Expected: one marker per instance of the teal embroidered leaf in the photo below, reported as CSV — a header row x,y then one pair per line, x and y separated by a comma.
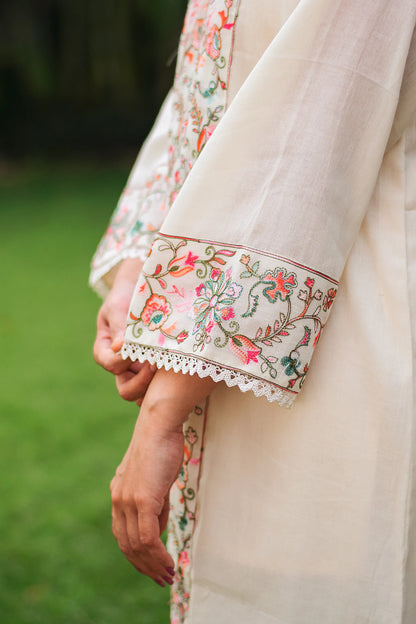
x,y
253,301
245,274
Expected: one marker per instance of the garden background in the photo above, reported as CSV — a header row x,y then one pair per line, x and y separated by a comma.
x,y
80,84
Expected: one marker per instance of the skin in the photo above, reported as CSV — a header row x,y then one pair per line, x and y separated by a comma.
x,y
132,378
141,485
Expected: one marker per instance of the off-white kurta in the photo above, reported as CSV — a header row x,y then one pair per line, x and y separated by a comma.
x,y
278,188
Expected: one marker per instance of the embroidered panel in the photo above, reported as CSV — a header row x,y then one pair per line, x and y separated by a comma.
x,y
183,498
237,309
197,104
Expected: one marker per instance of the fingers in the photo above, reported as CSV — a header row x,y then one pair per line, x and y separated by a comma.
x,y
132,386
139,540
103,350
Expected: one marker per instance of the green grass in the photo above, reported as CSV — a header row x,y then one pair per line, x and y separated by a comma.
x,y
63,428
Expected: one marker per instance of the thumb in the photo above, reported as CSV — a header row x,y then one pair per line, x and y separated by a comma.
x,y
118,341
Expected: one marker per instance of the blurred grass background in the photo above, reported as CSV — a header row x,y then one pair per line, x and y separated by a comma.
x,y
63,428
80,84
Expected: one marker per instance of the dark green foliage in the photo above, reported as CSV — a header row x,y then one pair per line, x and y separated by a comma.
x,y
81,74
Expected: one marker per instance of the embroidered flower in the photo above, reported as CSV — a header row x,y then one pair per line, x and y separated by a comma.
x,y
190,259
244,349
182,336
227,314
329,299
183,560
245,259
215,274
155,312
282,284
214,300
214,43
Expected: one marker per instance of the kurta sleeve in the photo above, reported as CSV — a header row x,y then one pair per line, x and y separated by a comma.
x,y
242,278
143,204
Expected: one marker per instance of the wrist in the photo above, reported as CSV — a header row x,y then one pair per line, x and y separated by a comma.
x,y
126,273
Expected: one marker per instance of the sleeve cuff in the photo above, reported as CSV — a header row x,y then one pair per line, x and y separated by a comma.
x,y
239,315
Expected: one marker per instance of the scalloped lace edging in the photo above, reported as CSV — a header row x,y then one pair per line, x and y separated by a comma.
x,y
181,362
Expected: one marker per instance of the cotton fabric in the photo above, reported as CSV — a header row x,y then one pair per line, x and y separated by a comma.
x,y
310,169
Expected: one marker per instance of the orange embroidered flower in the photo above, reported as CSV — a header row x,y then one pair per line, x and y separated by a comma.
x,y
155,312
214,43
244,349
281,283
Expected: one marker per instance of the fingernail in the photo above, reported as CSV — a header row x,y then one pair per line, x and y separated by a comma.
x,y
169,581
171,571
160,583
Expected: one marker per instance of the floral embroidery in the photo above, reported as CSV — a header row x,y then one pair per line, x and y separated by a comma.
x,y
155,312
182,514
197,103
201,82
251,310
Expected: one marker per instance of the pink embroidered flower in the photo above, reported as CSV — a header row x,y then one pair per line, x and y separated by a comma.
x,y
183,559
190,259
182,336
281,282
245,259
227,314
214,300
214,43
155,312
200,290
215,274
234,290
309,282
244,349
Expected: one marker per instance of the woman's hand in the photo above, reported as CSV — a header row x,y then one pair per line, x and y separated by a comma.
x,y
140,488
132,378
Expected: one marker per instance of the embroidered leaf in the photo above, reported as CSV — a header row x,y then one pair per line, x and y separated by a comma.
x,y
276,339
268,330
306,337
282,318
245,274
267,343
133,318
276,326
253,301
264,367
158,269
316,324
255,266
162,282
273,372
290,326
283,333
259,332
272,359
316,313
225,252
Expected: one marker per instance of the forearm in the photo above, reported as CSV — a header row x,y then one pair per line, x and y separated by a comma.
x,y
170,398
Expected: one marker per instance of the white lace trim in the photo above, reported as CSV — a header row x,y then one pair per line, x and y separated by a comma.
x,y
96,279
181,362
